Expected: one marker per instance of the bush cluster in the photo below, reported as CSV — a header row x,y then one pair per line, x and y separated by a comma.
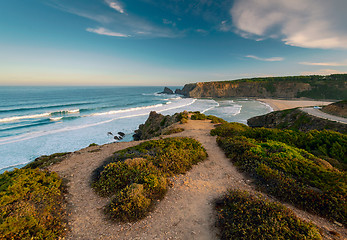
x,y
201,116
31,205
45,161
172,131
325,144
137,176
243,216
291,174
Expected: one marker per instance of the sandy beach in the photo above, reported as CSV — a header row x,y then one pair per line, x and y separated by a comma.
x,y
278,105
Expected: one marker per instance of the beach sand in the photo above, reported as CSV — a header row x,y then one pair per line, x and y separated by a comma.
x,y
278,105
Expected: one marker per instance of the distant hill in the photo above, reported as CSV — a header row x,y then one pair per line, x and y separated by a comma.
x,y
313,87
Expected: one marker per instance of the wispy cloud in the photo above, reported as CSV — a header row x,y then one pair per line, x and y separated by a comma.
x,y
327,64
104,31
115,5
272,59
302,23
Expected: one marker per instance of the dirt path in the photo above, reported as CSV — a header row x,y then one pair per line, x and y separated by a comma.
x,y
186,212
320,114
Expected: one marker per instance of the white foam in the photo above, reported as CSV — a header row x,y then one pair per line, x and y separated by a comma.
x,y
56,119
126,110
208,109
135,112
12,119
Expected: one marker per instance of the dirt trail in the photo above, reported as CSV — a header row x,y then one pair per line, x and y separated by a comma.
x,y
186,212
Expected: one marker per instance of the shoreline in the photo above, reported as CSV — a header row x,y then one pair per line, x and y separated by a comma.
x,y
278,104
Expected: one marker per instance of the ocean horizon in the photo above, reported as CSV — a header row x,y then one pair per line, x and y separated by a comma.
x,y
36,121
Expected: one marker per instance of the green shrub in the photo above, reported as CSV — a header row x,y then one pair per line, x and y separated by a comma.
x,y
291,174
325,144
243,216
198,116
170,155
215,119
116,176
46,161
172,131
93,145
129,204
137,176
31,205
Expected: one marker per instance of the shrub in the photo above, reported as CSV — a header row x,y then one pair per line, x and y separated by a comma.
x,y
172,131
243,216
129,204
215,119
46,161
291,174
31,205
93,145
325,144
198,116
136,177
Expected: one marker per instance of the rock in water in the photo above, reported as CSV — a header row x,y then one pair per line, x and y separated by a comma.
x,y
121,134
167,91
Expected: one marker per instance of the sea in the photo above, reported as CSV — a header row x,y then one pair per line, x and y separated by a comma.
x,y
37,121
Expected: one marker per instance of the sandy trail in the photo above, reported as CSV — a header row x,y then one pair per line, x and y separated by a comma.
x,y
186,212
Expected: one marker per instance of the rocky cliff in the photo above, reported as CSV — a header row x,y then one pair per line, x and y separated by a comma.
x,y
319,87
295,119
155,125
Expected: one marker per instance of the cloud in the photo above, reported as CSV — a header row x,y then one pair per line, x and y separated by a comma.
x,y
168,22
327,64
115,5
323,72
103,31
273,59
302,23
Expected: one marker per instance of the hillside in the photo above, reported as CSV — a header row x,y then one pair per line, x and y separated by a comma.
x,y
338,109
314,87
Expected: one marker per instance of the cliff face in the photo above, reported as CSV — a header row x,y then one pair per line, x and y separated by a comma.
x,y
315,87
245,89
154,126
295,119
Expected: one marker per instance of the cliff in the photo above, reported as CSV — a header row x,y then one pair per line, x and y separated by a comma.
x,y
295,119
315,87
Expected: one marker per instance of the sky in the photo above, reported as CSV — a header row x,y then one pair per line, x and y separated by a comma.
x,y
168,42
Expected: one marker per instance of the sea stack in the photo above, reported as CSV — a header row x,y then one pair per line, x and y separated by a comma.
x,y
167,91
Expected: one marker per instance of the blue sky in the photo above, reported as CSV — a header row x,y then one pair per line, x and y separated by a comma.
x,y
169,42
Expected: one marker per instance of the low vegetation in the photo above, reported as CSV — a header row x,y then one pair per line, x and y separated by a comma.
x,y
243,216
172,131
136,177
201,116
31,205
286,171
46,161
329,145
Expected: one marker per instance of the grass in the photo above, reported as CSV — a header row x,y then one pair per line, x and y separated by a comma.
x,y
137,177
243,216
31,205
201,116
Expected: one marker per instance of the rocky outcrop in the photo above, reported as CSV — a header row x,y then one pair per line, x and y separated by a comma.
x,y
295,119
315,87
167,91
154,125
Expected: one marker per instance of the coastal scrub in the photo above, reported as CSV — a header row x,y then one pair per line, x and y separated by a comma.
x,y
137,176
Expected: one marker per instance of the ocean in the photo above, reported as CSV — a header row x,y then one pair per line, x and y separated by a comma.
x,y
37,121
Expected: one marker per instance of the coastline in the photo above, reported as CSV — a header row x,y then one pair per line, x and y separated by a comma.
x,y
278,105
